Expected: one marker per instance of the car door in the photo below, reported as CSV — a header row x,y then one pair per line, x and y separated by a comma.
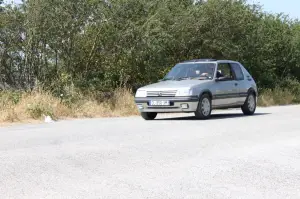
x,y
225,89
241,81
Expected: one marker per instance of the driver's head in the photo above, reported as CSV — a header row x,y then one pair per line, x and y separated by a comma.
x,y
219,73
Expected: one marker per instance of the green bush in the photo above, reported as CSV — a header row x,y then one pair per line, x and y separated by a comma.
x,y
36,111
11,97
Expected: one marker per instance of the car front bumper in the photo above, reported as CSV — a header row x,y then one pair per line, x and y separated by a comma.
x,y
177,104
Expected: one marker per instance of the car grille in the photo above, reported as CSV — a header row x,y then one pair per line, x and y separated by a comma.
x,y
161,93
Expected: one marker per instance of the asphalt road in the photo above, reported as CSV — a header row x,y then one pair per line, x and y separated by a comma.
x,y
229,156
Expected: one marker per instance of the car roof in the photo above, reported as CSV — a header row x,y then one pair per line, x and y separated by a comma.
x,y
208,60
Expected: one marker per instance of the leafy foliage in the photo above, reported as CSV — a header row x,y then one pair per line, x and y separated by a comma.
x,y
99,45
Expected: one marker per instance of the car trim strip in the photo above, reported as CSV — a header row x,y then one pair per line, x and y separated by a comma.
x,y
172,99
231,95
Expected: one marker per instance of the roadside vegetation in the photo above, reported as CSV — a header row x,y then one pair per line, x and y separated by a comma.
x,y
21,106
85,58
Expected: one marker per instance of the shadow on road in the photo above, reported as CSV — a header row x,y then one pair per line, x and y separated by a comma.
x,y
217,116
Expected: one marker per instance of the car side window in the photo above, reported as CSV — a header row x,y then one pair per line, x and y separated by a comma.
x,y
237,71
224,71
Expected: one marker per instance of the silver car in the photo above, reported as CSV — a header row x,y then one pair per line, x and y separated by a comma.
x,y
199,86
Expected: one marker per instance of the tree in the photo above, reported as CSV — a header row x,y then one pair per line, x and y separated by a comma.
x,y
99,45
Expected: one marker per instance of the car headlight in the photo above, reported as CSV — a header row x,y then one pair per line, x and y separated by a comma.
x,y
184,92
141,93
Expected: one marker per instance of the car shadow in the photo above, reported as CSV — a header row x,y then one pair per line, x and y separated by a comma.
x,y
217,116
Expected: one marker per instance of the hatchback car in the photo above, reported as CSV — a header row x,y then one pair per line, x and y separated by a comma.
x,y
199,86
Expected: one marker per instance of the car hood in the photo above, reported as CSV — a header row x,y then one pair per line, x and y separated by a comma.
x,y
166,85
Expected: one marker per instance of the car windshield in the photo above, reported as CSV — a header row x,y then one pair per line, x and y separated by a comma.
x,y
184,71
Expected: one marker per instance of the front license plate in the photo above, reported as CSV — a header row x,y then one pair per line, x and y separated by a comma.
x,y
160,103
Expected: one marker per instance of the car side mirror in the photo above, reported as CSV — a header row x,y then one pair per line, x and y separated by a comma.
x,y
220,79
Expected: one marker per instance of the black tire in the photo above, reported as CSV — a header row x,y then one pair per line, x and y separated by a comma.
x,y
148,116
201,112
249,106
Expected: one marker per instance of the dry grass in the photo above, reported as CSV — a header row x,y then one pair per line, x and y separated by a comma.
x,y
20,107
277,96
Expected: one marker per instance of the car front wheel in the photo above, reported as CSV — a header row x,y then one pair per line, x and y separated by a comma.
x,y
249,106
204,107
148,116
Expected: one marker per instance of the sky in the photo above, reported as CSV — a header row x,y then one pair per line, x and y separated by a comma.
x,y
290,7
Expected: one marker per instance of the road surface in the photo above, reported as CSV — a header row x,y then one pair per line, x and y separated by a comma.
x,y
229,156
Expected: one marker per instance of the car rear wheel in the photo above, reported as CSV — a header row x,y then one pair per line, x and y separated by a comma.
x,y
249,106
204,107
148,116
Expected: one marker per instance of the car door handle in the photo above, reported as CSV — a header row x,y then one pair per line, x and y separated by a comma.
x,y
236,84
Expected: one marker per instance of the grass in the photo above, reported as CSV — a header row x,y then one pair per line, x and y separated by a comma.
x,y
33,106
278,96
24,107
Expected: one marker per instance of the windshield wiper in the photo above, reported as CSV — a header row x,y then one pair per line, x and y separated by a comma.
x,y
183,78
202,78
166,79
